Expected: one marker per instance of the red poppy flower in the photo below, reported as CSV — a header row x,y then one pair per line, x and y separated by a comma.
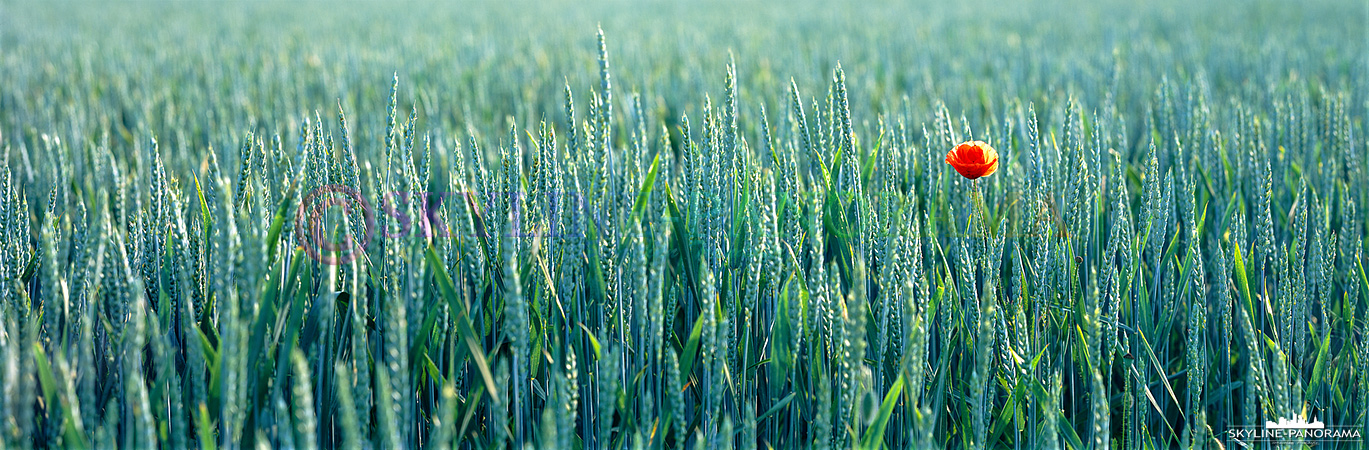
x,y
973,159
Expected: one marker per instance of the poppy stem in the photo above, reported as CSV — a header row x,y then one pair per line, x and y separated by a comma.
x,y
979,209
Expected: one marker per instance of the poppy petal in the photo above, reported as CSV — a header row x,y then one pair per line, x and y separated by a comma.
x,y
973,159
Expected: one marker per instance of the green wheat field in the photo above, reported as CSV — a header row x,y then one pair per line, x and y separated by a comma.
x,y
683,225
